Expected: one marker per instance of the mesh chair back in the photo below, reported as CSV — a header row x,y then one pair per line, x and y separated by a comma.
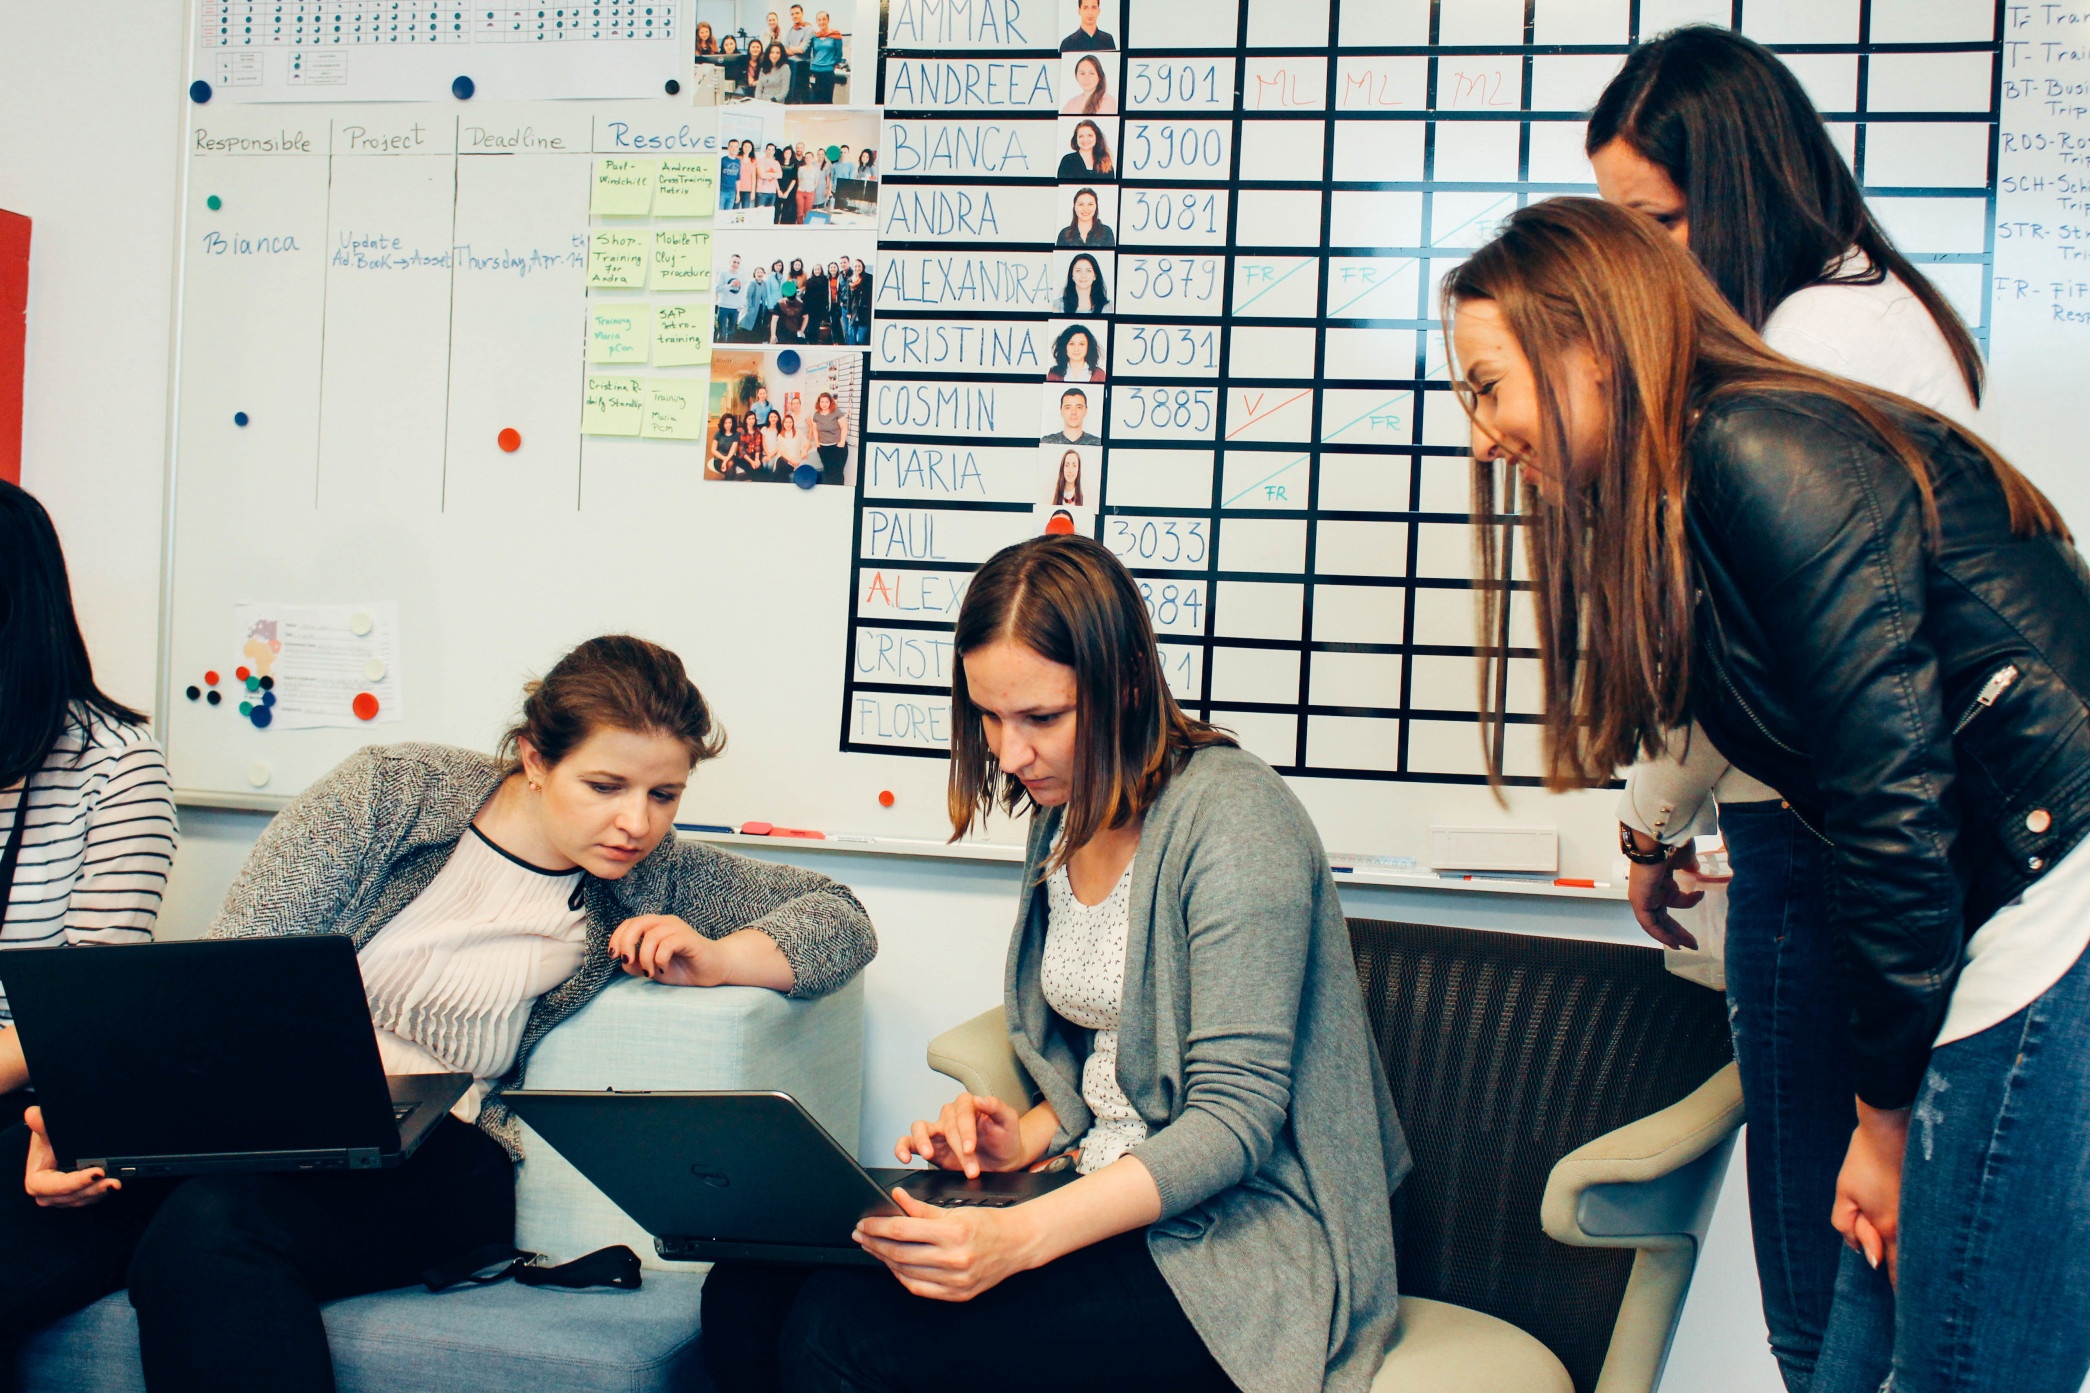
x,y
1505,1052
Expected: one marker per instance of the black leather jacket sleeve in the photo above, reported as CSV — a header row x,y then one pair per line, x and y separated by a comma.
x,y
1818,532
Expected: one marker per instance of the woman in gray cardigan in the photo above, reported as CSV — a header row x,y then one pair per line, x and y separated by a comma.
x,y
488,900
1180,988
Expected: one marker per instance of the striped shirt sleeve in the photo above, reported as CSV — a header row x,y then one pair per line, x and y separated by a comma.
x,y
130,840
98,840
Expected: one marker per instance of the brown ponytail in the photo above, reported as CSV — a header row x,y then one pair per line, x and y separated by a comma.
x,y
615,682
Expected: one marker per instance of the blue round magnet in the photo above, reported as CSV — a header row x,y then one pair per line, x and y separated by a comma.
x,y
268,698
805,476
239,418
199,91
788,362
462,89
261,717
673,87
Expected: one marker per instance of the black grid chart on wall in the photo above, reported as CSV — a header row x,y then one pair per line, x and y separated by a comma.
x,y
1178,292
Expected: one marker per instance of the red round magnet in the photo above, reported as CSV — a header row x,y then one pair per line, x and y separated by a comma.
x,y
210,678
365,706
510,439
885,799
242,673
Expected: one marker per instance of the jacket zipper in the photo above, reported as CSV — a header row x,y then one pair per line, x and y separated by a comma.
x,y
1998,683
1732,691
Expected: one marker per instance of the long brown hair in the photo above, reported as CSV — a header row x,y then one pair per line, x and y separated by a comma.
x,y
1771,202
1102,150
1609,557
1068,600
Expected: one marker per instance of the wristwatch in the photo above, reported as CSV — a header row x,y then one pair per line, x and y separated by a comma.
x,y
1631,850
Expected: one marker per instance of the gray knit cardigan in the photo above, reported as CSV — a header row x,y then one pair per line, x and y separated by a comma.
x,y
356,847
1244,1046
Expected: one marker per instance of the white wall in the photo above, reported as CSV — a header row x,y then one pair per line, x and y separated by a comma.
x,y
90,101
91,155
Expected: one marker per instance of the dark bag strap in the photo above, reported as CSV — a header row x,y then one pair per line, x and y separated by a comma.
x,y
12,857
616,1266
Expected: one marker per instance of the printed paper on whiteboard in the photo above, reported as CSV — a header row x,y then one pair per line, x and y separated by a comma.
x,y
321,664
265,51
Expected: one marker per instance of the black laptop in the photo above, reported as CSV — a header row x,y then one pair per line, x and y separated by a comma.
x,y
714,1176
202,1058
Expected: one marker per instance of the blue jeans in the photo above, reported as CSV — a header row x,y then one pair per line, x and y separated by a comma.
x,y
1791,1041
1995,1220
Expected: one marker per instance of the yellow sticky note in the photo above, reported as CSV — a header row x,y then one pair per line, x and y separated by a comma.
x,y
686,189
613,406
675,408
619,333
681,334
617,258
681,259
623,188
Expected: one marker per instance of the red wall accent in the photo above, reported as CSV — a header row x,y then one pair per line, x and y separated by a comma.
x,y
14,323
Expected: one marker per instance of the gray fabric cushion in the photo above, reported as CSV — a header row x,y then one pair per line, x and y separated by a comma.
x,y
507,1337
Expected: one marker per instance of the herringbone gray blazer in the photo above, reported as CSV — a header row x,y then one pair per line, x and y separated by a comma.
x,y
354,849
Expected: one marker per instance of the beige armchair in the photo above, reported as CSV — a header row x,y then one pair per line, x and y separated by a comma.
x,y
1648,1186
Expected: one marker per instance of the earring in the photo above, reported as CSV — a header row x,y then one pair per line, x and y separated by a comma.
x,y
536,787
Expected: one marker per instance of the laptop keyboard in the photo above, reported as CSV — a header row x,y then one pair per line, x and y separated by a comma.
x,y
974,1201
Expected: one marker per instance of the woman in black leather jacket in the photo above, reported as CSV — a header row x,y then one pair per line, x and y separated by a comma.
x,y
1869,610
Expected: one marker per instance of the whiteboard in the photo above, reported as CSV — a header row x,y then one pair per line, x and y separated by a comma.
x,y
1278,458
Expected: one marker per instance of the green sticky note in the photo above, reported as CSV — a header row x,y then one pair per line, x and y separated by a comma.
x,y
674,408
681,259
613,406
681,334
623,188
686,189
619,333
617,258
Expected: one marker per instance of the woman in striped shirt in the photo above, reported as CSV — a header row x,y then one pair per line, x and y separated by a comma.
x,y
86,821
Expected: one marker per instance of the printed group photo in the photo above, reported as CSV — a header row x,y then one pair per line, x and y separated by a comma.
x,y
786,417
805,167
805,287
800,55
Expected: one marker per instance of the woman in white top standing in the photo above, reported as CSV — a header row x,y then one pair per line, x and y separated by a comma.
x,y
488,898
86,819
1713,137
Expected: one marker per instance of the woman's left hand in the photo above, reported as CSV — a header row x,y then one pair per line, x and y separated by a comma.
x,y
1868,1188
948,1254
663,948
